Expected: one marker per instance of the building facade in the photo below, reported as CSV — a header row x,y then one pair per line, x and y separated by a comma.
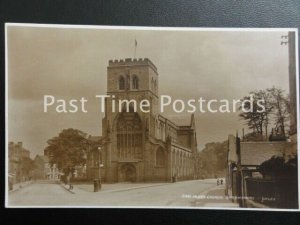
x,y
139,146
19,163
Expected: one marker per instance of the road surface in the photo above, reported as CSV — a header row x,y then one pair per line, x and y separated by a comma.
x,y
195,193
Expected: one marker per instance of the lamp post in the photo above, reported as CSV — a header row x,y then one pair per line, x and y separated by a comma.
x,y
97,172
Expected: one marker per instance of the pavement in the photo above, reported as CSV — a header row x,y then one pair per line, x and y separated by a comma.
x,y
18,186
115,187
68,188
194,193
214,198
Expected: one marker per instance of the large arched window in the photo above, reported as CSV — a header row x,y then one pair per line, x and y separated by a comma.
x,y
160,157
129,136
131,107
135,82
121,83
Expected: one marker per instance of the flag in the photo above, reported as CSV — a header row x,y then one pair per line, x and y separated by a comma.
x,y
135,45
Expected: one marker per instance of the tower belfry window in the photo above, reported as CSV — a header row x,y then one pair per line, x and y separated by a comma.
x,y
152,84
135,82
121,83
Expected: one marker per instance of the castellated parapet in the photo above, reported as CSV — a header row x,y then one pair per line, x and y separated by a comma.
x,y
132,62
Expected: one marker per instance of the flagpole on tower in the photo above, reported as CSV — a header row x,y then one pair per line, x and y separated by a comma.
x,y
135,45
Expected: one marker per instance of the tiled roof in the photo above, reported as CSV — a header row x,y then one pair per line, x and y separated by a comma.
x,y
254,153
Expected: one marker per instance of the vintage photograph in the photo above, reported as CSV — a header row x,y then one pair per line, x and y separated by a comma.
x,y
151,117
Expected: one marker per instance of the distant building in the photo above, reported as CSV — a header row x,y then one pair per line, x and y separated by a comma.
x,y
137,146
18,163
44,170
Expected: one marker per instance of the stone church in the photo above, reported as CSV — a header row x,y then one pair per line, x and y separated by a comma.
x,y
138,146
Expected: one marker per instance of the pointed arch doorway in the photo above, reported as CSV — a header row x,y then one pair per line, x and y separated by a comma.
x,y
127,173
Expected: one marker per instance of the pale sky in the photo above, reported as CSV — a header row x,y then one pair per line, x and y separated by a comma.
x,y
71,63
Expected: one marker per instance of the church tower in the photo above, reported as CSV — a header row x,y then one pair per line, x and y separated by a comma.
x,y
125,133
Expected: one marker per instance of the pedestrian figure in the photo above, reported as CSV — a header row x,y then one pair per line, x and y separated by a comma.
x,y
221,181
218,182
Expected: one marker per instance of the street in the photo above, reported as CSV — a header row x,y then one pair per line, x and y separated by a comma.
x,y
194,193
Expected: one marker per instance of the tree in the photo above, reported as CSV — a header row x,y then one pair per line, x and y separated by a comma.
x,y
281,108
276,166
256,119
212,160
266,97
276,110
68,149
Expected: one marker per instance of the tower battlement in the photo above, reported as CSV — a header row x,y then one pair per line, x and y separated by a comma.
x,y
132,62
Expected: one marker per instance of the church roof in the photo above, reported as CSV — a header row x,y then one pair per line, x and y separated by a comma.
x,y
181,121
94,138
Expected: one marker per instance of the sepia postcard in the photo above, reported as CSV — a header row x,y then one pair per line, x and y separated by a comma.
x,y
151,117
